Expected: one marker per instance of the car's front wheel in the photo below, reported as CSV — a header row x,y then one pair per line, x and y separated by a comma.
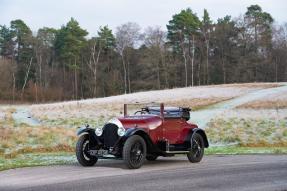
x,y
134,152
197,149
82,148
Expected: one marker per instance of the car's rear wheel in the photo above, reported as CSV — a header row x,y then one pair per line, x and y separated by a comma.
x,y
151,157
82,148
134,152
197,149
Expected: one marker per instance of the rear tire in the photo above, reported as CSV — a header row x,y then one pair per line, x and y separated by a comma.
x,y
134,152
84,158
197,151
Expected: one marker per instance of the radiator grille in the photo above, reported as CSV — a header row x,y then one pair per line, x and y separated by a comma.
x,y
110,135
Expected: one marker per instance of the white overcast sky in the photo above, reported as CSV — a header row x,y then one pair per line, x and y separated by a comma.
x,y
94,13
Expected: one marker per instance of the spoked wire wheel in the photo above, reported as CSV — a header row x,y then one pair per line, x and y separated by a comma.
x,y
82,152
134,152
197,149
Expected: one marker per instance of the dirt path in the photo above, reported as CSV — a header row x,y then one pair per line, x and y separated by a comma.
x,y
21,115
202,117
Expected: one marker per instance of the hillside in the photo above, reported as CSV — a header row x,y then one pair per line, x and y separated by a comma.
x,y
194,97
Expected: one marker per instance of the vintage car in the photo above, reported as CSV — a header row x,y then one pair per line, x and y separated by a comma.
x,y
152,131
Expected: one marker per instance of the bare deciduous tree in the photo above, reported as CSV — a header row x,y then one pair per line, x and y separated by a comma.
x,y
127,36
155,41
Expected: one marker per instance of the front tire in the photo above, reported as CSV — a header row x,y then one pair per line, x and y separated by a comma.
x,y
196,152
82,147
134,152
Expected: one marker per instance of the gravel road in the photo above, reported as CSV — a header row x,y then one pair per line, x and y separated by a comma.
x,y
239,172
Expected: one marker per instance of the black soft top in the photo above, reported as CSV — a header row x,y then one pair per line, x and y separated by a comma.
x,y
170,112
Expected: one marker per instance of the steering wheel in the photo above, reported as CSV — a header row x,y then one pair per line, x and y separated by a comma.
x,y
141,112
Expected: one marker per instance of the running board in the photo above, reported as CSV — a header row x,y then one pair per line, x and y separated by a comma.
x,y
176,152
109,157
169,151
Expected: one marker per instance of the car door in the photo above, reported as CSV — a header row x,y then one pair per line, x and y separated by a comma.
x,y
171,129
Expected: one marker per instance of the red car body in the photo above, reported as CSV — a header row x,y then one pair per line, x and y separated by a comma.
x,y
160,128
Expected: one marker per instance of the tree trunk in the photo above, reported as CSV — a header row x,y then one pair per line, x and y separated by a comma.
x,y
198,72
76,80
125,73
36,92
129,80
276,70
185,67
158,75
192,62
223,70
159,61
64,74
40,70
47,76
166,75
207,64
224,75
185,62
165,70
14,87
256,35
95,68
26,77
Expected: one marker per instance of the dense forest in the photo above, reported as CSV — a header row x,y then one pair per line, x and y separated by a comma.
x,y
63,64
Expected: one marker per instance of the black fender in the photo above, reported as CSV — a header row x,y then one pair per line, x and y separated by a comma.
x,y
141,132
201,132
93,139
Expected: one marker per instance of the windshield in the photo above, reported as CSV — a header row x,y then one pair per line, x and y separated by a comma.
x,y
140,108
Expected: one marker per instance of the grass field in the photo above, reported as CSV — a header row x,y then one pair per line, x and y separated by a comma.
x,y
21,138
248,132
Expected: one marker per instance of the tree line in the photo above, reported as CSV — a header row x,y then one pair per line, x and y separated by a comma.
x,y
63,64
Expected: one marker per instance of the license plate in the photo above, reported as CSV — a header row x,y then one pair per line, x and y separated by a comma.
x,y
100,152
